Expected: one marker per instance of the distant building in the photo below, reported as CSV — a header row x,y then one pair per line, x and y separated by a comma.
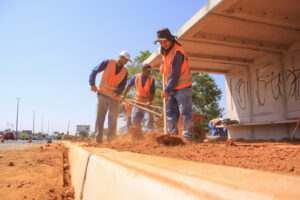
x,y
27,131
82,130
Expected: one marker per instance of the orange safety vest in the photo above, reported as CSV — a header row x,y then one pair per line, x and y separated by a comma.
x,y
214,121
110,80
143,93
185,79
128,109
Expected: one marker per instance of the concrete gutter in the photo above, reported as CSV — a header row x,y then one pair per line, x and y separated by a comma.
x,y
99,173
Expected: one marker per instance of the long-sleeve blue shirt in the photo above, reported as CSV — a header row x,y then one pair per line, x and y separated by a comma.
x,y
144,79
102,66
123,108
176,69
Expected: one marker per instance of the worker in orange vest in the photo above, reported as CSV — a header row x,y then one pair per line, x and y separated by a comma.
x,y
113,82
127,108
178,84
144,92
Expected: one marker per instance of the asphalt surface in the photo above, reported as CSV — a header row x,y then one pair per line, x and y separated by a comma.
x,y
20,144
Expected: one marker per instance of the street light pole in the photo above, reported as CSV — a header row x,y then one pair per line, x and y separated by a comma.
x,y
68,128
18,99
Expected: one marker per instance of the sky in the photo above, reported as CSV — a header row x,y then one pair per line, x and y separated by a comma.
x,y
48,49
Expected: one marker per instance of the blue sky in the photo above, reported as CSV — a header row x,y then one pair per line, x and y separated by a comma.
x,y
48,49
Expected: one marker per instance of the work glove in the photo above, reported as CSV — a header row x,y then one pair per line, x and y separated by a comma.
x,y
122,98
115,97
165,95
94,88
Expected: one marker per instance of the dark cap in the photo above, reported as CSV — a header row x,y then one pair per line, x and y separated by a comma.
x,y
147,66
164,34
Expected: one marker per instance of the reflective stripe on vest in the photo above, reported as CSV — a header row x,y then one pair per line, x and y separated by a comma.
x,y
185,78
214,121
109,76
142,93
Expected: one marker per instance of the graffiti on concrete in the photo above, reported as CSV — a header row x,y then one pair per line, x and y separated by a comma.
x,y
241,89
265,80
267,85
294,87
293,81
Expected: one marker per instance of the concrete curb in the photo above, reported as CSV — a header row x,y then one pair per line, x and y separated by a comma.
x,y
108,174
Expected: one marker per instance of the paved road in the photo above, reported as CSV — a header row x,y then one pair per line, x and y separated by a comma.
x,y
19,144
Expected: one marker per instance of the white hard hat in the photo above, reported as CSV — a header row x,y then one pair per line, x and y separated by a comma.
x,y
126,55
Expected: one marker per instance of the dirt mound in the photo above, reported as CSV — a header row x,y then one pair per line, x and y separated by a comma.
x,y
267,156
40,172
170,140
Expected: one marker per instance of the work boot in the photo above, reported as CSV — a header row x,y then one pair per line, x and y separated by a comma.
x,y
98,140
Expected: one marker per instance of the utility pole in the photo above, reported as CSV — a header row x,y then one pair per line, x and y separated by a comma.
x,y
68,128
48,128
42,125
18,99
33,121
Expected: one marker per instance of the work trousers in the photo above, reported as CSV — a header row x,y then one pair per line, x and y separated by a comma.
x,y
180,103
128,124
137,116
106,104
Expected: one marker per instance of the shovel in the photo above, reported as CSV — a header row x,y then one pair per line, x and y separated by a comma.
x,y
128,101
169,140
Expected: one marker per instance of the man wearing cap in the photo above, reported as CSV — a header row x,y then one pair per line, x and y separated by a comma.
x,y
144,92
178,84
112,83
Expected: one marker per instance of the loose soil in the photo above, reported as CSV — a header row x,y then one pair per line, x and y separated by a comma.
x,y
40,172
279,157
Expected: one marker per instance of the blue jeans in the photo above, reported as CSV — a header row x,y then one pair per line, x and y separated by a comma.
x,y
105,103
136,118
180,103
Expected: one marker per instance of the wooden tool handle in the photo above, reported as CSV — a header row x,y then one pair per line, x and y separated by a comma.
x,y
165,107
152,106
145,109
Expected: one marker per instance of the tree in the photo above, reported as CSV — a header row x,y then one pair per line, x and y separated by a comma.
x,y
206,96
205,91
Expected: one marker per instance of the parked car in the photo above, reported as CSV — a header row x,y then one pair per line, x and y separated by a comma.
x,y
8,136
39,138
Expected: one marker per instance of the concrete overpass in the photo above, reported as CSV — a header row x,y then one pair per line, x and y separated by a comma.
x,y
256,45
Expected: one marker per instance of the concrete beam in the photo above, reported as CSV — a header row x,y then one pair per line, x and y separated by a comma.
x,y
197,17
219,44
217,58
208,70
262,16
241,42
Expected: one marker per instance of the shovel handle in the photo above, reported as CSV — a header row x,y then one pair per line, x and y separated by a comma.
x,y
106,94
145,109
165,107
141,107
152,106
